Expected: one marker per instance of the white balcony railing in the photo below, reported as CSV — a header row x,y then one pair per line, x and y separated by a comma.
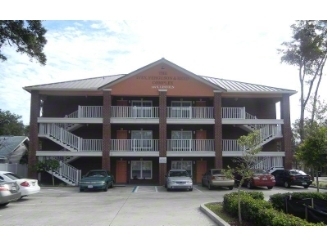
x,y
231,145
190,112
92,144
190,144
134,145
134,112
90,112
233,113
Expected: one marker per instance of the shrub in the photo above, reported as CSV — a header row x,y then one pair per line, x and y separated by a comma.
x,y
278,200
260,212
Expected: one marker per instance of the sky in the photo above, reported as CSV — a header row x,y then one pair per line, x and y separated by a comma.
x,y
235,40
236,49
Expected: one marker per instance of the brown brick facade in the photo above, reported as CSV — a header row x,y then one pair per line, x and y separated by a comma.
x,y
287,132
218,129
162,135
34,142
106,135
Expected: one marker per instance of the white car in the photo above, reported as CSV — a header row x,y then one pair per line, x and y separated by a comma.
x,y
177,179
27,186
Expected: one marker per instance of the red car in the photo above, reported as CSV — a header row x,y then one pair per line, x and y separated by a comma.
x,y
260,178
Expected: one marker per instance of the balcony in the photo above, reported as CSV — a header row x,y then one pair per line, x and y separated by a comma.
x,y
190,147
134,147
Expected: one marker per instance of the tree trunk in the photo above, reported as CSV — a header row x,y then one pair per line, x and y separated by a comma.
x,y
239,206
317,181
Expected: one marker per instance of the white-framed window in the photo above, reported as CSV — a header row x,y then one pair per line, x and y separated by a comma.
x,y
141,170
142,140
187,165
181,140
181,109
142,109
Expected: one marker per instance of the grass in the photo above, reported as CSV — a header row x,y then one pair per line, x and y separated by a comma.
x,y
217,208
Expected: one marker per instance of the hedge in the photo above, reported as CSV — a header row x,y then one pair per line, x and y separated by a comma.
x,y
260,212
278,200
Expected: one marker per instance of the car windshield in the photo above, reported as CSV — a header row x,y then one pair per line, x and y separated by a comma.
x,y
95,174
216,171
13,176
297,172
179,174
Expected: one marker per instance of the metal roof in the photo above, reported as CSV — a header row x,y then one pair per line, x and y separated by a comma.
x,y
99,82
8,144
237,86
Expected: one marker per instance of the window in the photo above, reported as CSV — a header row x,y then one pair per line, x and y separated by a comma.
x,y
181,109
142,109
181,140
186,165
142,140
141,170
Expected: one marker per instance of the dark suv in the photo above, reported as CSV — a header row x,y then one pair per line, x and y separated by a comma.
x,y
289,177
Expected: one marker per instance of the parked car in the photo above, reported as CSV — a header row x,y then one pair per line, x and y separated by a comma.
x,y
9,192
98,179
259,178
290,177
272,169
27,186
178,179
215,178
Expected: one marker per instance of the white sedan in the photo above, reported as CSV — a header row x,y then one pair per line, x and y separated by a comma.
x,y
27,186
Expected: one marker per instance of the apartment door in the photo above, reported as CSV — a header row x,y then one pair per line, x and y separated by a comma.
x,y
200,109
123,110
201,168
200,140
121,172
122,140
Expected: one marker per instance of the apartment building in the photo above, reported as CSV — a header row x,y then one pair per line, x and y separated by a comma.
x,y
161,116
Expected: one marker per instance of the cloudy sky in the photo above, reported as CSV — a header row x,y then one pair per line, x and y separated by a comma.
x,y
230,48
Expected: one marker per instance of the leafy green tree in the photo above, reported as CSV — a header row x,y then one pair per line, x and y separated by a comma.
x,y
28,36
308,52
245,165
10,124
313,150
48,165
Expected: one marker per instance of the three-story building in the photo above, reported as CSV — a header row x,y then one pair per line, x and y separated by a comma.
x,y
161,116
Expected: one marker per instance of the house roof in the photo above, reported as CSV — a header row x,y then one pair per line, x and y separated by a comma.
x,y
9,144
98,83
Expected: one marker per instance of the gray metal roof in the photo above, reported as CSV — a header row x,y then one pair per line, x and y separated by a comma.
x,y
8,144
237,86
80,84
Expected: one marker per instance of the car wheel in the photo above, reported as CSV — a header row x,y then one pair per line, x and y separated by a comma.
x,y
191,189
306,186
81,189
168,189
111,185
270,187
4,204
203,184
165,186
209,186
106,188
249,185
286,184
230,187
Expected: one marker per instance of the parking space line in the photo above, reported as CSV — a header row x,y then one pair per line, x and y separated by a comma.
x,y
197,189
156,189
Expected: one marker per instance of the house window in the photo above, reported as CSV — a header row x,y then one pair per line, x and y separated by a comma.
x,y
181,140
187,165
141,170
180,109
142,140
142,109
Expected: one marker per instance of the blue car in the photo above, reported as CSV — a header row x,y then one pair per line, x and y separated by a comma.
x,y
99,179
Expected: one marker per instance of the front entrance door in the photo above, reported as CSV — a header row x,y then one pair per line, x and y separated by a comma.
x,y
200,140
201,168
122,139
121,172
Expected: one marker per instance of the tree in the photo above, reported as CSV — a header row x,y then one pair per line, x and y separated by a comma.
x,y
10,124
245,164
48,165
308,52
313,150
27,36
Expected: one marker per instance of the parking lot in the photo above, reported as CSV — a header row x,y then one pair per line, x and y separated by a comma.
x,y
120,206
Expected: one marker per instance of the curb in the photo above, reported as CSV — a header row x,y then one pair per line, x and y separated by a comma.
x,y
218,220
